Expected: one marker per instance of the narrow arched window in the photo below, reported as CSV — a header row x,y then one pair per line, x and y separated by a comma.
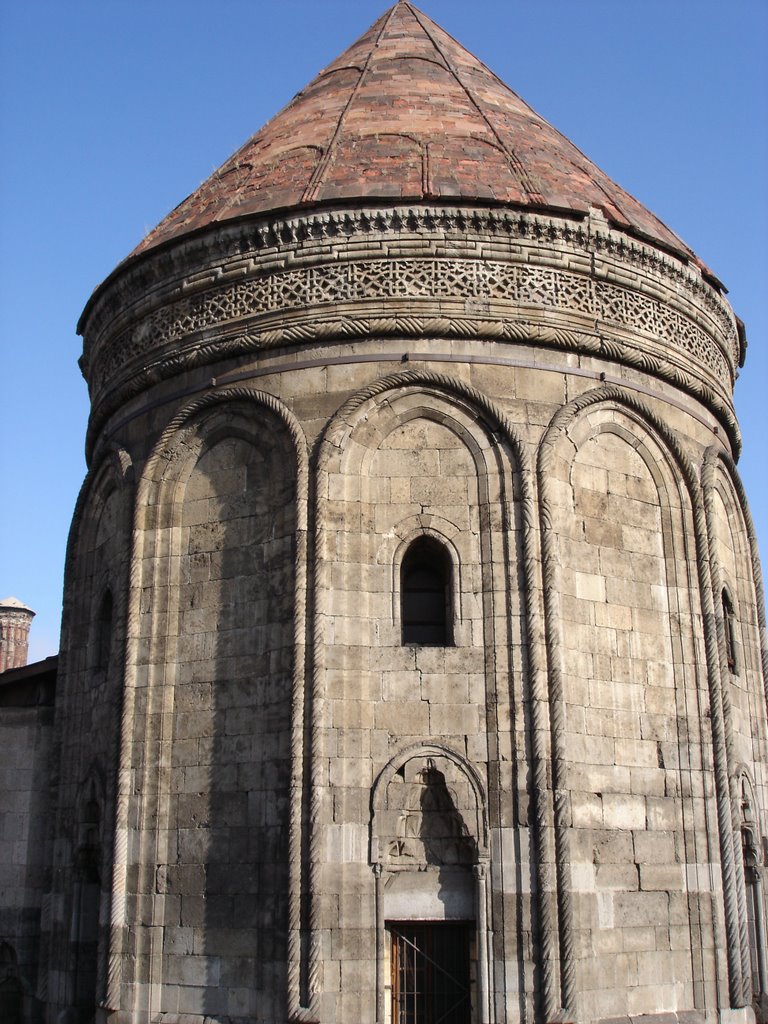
x,y
729,629
425,594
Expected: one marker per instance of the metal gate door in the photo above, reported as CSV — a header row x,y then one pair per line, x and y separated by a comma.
x,y
430,974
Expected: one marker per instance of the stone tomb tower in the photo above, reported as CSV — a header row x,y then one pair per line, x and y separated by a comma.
x,y
413,658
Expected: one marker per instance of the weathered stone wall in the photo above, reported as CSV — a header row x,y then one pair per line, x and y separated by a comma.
x,y
26,726
411,462
213,680
633,740
566,774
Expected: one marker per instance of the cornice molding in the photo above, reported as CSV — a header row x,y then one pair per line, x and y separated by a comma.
x,y
200,259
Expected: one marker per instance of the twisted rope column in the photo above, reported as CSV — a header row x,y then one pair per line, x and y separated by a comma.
x,y
708,472
297,722
313,723
553,647
720,750
555,930
121,468
113,471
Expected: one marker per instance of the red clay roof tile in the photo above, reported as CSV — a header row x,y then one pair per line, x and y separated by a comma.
x,y
407,113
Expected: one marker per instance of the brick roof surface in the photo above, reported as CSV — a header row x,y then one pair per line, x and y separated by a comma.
x,y
406,113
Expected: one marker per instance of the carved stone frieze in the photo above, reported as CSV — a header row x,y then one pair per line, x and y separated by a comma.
x,y
510,290
232,248
485,274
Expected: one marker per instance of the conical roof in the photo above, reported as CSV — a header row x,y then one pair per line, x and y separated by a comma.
x,y
16,604
407,114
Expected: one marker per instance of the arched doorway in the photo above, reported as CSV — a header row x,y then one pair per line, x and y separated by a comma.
x,y
429,844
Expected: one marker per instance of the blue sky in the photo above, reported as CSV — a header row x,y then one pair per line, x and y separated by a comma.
x,y
111,113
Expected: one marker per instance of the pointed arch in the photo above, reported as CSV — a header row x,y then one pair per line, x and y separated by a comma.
x,y
739,616
729,629
109,482
683,472
493,435
718,461
429,849
96,560
232,416
433,535
478,804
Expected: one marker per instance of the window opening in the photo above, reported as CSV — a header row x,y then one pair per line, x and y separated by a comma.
x,y
425,578
730,632
431,973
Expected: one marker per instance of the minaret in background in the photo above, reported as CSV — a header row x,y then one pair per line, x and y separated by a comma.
x,y
15,620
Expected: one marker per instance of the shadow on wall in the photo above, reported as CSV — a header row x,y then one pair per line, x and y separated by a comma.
x,y
11,989
431,849
226,950
442,831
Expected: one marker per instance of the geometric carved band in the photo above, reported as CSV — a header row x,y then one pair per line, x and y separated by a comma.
x,y
506,290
